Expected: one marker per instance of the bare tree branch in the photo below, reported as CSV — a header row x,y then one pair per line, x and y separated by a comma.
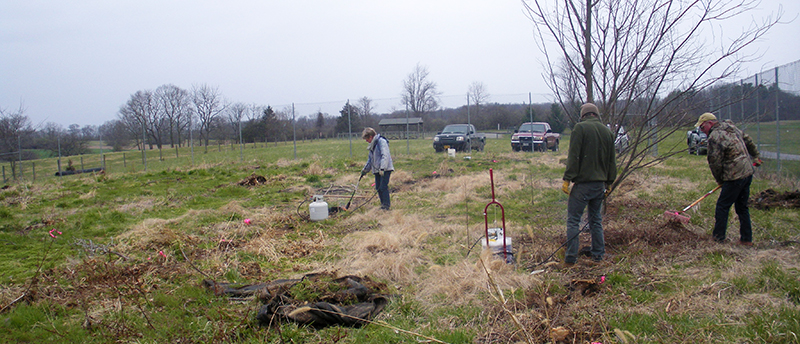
x,y
643,62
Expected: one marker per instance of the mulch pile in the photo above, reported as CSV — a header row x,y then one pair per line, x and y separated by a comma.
x,y
319,300
770,198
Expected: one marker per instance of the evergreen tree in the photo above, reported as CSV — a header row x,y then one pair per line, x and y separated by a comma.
x,y
355,119
556,118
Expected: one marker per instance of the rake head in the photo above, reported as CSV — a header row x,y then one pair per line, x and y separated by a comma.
x,y
676,216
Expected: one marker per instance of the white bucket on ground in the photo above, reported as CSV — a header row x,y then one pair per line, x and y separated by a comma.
x,y
495,243
318,210
451,152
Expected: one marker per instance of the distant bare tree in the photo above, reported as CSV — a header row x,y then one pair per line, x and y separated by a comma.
x,y
365,107
208,106
14,128
236,114
59,141
89,132
137,113
174,107
419,93
628,55
478,95
113,133
254,112
281,124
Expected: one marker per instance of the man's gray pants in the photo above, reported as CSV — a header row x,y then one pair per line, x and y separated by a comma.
x,y
589,194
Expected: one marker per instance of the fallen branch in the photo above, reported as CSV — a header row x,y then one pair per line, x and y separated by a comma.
x,y
90,246
194,267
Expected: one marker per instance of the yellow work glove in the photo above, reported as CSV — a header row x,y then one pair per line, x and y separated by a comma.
x,y
565,187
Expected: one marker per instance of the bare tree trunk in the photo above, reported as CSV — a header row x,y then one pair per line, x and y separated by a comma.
x,y
587,57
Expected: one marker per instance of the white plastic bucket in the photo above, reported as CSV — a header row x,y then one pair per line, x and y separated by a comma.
x,y
495,243
451,152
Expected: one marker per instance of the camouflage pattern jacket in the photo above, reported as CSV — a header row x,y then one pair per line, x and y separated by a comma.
x,y
730,152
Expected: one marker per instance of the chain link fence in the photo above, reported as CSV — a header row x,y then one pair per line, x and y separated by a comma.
x,y
41,170
766,106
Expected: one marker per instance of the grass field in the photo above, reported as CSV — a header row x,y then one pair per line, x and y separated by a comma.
x,y
121,256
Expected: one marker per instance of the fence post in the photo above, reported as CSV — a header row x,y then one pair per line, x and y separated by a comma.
x,y
82,168
777,120
59,166
124,163
4,174
758,114
33,170
104,162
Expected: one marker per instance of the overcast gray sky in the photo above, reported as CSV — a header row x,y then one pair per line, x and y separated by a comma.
x,y
79,61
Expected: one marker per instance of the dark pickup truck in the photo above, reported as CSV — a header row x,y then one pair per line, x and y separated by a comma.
x,y
534,136
460,137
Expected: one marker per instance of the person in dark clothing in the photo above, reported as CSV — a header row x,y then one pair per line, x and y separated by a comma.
x,y
591,166
379,162
731,157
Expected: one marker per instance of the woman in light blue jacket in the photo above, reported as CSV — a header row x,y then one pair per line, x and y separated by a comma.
x,y
379,162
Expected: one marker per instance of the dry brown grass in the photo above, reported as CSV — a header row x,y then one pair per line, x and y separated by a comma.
x,y
139,206
397,250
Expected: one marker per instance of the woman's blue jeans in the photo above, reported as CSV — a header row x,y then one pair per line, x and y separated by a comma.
x,y
382,185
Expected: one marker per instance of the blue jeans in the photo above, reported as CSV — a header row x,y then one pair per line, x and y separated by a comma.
x,y
584,194
736,193
382,185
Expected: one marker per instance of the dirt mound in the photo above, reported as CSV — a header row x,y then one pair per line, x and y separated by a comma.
x,y
253,180
770,198
655,234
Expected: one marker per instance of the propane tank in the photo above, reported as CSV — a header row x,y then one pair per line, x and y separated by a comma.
x,y
318,210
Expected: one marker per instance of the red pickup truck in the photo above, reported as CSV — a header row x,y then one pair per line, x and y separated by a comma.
x,y
534,136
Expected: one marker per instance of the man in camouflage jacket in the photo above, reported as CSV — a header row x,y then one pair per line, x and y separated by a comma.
x,y
731,157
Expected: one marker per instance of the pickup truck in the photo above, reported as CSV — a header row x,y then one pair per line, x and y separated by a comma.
x,y
534,136
460,137
696,140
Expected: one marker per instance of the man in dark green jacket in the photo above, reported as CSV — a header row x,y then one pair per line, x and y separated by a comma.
x,y
591,166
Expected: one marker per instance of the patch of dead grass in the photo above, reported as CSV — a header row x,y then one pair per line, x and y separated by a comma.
x,y
139,206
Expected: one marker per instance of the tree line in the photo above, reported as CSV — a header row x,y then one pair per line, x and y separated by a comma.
x,y
171,116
